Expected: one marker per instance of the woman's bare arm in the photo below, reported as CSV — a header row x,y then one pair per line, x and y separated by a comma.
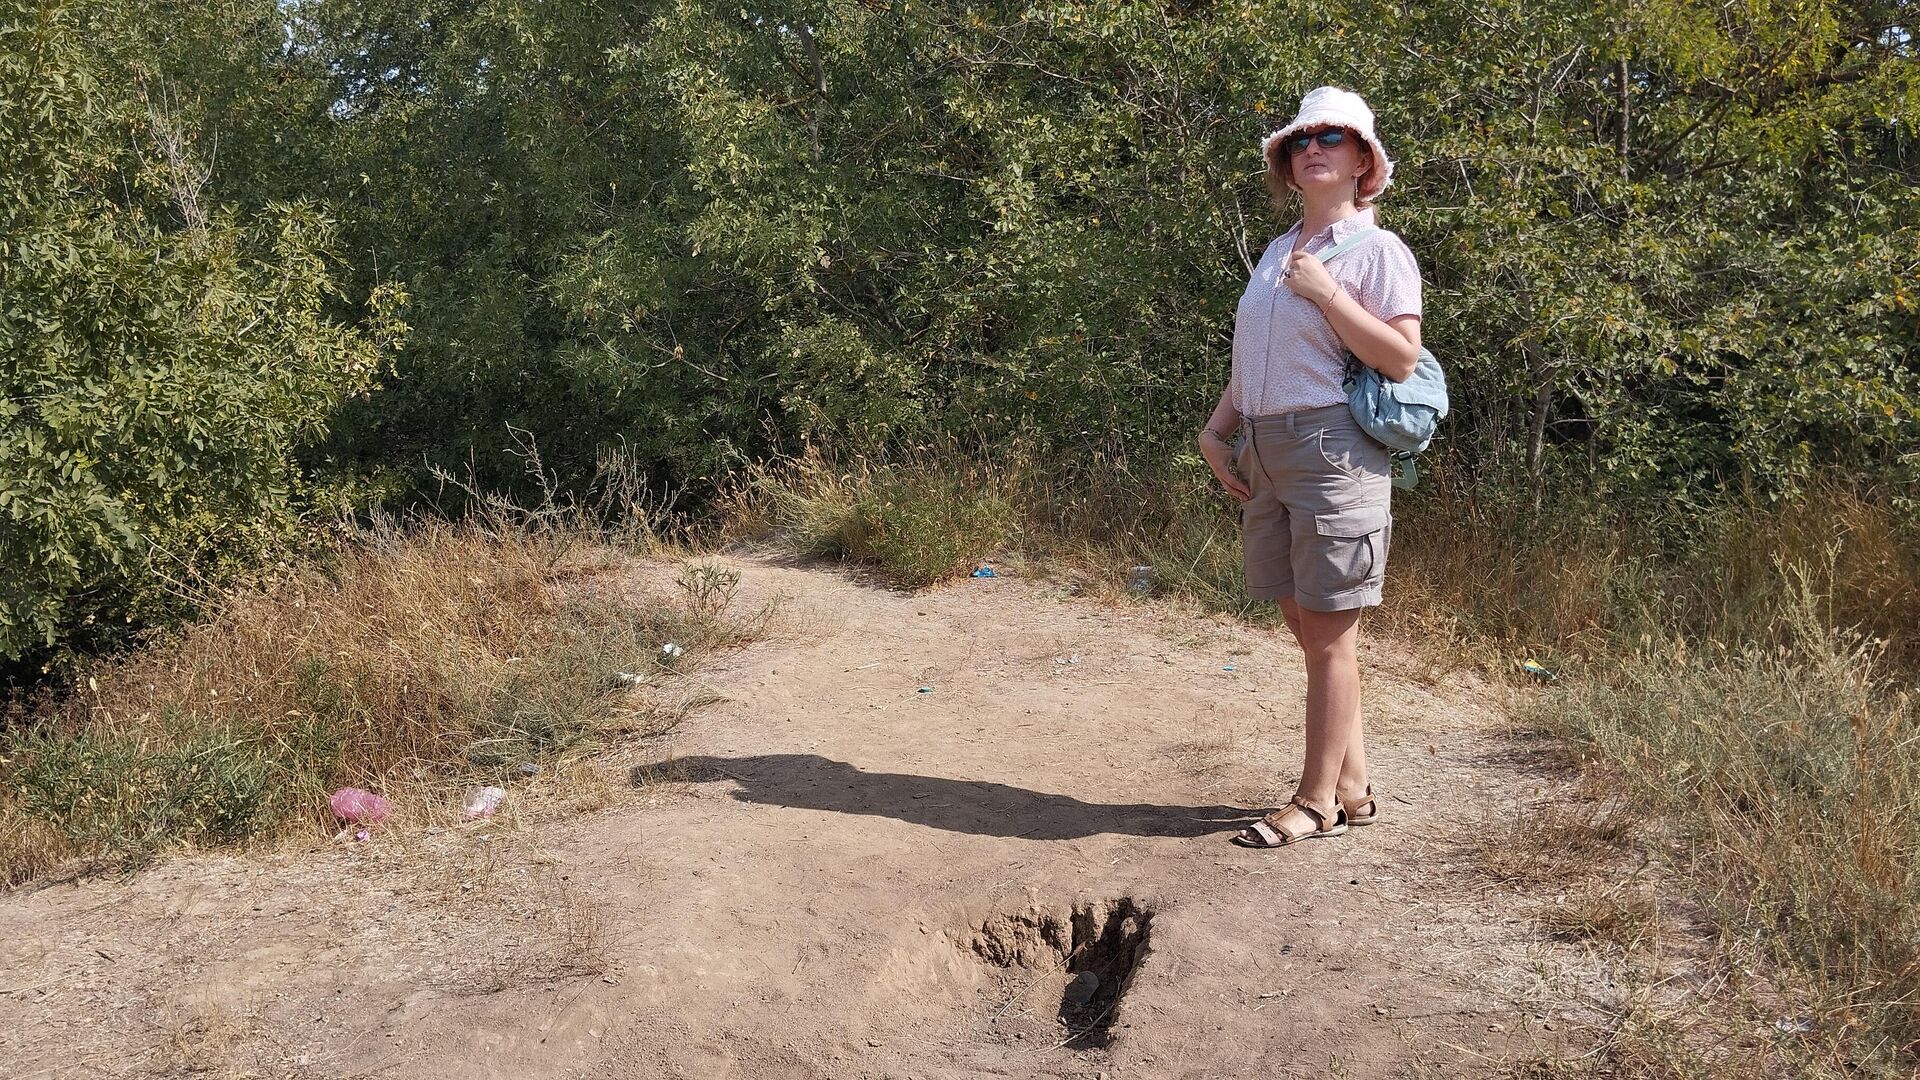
x,y
1213,445
1390,348
1225,417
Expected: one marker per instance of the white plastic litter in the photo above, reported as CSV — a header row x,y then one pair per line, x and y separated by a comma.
x,y
481,802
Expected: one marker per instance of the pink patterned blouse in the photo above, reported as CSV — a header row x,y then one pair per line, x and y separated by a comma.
x,y
1286,357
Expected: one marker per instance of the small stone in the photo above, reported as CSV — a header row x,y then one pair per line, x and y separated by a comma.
x,y
1495,1027
873,1042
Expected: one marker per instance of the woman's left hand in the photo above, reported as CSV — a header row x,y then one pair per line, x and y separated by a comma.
x,y
1307,276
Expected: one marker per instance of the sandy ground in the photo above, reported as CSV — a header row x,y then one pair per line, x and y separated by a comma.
x,y
890,852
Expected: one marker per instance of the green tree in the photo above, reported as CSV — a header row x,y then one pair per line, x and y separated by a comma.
x,y
160,359
1669,250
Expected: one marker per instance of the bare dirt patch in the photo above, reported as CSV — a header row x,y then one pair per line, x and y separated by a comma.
x,y
894,849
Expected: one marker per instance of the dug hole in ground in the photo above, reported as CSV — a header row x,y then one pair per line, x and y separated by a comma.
x,y
980,831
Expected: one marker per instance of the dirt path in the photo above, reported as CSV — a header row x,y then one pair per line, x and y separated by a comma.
x,y
835,873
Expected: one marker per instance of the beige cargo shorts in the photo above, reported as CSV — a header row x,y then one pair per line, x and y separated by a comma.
x,y
1317,525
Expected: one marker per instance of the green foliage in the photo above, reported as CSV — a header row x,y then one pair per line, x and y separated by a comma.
x,y
154,380
114,794
1668,249
1681,231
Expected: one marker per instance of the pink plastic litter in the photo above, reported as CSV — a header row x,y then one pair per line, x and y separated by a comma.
x,y
359,806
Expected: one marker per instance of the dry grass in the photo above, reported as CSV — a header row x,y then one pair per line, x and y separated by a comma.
x,y
1693,1004
1578,836
208,1039
521,920
1484,580
1794,777
934,514
919,520
410,661
1607,916
1758,869
1583,855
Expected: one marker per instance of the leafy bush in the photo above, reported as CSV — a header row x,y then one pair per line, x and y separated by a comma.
x,y
1667,250
156,379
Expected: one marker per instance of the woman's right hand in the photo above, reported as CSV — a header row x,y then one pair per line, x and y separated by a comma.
x,y
1220,459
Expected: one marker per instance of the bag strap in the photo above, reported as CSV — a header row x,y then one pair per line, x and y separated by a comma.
x,y
1343,245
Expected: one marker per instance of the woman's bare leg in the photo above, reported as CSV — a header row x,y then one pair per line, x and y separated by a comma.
x,y
1336,757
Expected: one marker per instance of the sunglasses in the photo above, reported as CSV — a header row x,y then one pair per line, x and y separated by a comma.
x,y
1329,139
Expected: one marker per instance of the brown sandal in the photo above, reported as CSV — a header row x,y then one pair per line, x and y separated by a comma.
x,y
1267,833
1354,817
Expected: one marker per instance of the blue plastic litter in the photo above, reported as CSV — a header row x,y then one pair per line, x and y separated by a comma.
x,y
926,689
985,571
1228,667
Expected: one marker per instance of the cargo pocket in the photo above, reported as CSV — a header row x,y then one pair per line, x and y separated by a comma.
x,y
1353,543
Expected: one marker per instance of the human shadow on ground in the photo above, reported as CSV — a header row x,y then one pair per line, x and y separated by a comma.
x,y
980,807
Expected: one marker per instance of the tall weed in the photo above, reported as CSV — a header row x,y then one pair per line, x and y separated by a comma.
x,y
918,521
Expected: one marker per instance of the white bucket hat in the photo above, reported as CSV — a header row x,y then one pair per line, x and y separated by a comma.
x,y
1330,106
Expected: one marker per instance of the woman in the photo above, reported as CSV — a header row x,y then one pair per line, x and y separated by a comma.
x,y
1314,488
